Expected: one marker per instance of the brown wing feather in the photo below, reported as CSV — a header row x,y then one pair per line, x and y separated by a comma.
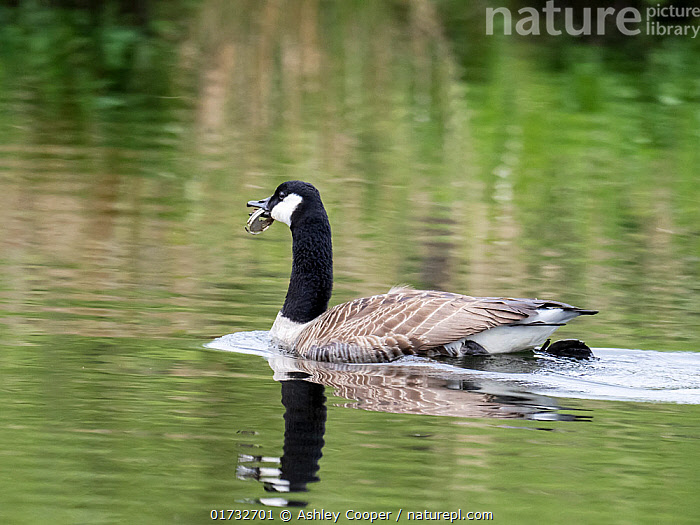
x,y
405,321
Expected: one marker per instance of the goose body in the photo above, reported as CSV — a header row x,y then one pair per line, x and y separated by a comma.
x,y
401,322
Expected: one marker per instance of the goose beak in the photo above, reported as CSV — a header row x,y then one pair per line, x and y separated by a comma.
x,y
259,204
260,220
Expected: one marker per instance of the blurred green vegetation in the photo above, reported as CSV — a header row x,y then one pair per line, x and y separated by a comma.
x,y
133,133
74,60
492,165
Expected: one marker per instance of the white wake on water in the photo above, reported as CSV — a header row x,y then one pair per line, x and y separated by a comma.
x,y
614,374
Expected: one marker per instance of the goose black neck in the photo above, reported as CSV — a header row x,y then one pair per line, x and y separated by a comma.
x,y
311,282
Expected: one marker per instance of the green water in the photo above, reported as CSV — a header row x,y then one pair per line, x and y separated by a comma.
x,y
446,159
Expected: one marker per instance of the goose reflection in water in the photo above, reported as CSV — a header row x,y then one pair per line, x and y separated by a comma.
x,y
405,389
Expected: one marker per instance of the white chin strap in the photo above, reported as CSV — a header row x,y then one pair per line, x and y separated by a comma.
x,y
283,210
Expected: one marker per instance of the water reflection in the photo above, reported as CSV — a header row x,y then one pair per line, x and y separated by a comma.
x,y
420,389
304,428
406,389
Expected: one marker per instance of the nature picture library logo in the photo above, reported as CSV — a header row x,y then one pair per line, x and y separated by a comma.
x,y
585,21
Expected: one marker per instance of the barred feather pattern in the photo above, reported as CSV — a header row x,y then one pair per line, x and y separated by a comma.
x,y
405,389
404,321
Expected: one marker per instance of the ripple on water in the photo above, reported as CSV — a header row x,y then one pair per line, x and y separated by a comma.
x,y
615,373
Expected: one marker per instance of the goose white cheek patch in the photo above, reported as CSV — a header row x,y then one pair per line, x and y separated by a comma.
x,y
283,210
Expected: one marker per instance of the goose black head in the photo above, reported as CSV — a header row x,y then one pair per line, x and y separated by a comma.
x,y
290,202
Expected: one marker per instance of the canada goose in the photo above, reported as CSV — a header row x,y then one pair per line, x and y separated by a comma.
x,y
385,327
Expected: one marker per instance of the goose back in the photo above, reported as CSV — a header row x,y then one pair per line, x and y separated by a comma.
x,y
404,321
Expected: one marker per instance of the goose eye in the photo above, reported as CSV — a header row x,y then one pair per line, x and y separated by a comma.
x,y
282,195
